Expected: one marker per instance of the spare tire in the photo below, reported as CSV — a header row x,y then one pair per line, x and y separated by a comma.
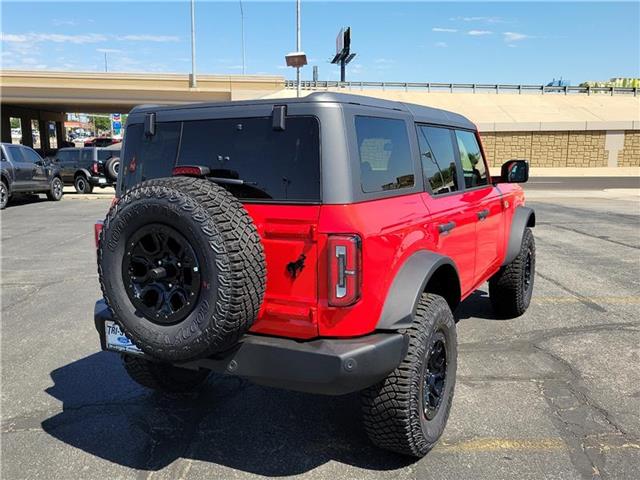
x,y
111,168
181,267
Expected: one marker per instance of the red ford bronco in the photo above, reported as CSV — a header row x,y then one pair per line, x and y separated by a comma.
x,y
316,244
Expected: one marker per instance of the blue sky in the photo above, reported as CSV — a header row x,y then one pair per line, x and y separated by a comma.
x,y
505,42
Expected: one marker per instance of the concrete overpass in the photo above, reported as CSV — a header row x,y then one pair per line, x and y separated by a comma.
x,y
583,129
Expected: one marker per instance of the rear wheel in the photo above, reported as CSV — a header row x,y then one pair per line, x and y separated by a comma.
x,y
408,411
56,192
82,185
163,377
112,167
510,289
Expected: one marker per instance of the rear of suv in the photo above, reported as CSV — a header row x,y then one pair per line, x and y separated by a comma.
x,y
89,167
316,244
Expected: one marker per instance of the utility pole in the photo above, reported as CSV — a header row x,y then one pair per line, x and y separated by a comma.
x,y
193,80
105,62
242,32
298,46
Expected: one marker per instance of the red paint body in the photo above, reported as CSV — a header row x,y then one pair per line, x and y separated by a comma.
x,y
391,230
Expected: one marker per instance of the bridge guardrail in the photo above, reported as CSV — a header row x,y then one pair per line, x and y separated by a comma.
x,y
464,87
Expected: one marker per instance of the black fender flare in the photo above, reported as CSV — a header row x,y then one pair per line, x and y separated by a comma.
x,y
7,181
523,217
82,171
409,284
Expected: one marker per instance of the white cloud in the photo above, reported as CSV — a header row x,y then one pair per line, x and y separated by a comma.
x,y
441,45
108,50
484,19
60,23
31,38
383,61
514,36
149,38
448,30
477,33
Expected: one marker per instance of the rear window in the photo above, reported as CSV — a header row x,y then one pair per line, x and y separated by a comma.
x,y
273,165
107,154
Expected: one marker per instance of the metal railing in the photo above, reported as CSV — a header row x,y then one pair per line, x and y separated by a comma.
x,y
463,87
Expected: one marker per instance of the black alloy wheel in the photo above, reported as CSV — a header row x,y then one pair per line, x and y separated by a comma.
x,y
435,376
161,274
528,270
4,195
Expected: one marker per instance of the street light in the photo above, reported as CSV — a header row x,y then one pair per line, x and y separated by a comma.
x,y
298,58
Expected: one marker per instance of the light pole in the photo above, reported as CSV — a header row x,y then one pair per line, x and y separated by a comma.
x,y
193,81
298,58
242,33
106,69
298,46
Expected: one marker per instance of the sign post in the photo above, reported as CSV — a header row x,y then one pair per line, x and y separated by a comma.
x,y
343,51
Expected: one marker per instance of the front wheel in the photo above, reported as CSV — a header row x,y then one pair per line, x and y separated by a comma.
x,y
407,411
163,377
510,289
4,195
56,191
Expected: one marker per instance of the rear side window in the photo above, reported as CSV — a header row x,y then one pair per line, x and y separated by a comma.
x,y
87,155
149,157
384,153
15,153
272,164
473,167
438,159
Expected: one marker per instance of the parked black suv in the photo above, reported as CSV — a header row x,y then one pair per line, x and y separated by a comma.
x,y
88,167
24,171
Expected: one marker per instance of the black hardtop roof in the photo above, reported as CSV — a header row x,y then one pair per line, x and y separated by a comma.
x,y
419,112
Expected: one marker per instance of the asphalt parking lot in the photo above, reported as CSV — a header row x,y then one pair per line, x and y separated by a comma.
x,y
553,394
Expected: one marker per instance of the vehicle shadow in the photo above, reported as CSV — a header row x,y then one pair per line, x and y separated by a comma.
x,y
476,305
231,423
24,199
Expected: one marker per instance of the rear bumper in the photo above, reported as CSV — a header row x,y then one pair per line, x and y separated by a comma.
x,y
326,366
95,181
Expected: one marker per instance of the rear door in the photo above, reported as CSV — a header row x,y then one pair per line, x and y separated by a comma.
x,y
485,200
452,221
38,171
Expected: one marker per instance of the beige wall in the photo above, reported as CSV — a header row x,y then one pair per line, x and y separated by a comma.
x,y
630,154
559,149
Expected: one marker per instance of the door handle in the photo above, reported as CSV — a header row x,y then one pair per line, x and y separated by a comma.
x,y
446,227
482,214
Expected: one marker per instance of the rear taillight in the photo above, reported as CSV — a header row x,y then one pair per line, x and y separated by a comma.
x,y
345,275
94,168
190,171
97,229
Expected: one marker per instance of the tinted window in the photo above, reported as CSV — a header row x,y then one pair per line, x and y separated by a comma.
x,y
87,155
15,153
274,165
475,173
107,154
31,156
385,155
438,159
150,157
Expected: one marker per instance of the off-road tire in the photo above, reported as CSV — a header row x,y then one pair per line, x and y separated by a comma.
x,y
111,168
82,185
4,195
228,250
56,191
510,296
393,410
163,377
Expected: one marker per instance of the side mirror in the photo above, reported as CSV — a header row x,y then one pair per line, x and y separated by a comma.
x,y
514,171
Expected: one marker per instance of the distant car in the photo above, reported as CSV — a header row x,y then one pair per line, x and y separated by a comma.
x,y
88,167
101,141
24,171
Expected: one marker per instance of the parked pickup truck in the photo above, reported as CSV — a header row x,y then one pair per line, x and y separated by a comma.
x,y
317,244
24,171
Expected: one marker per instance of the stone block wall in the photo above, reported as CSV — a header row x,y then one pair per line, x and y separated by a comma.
x,y
579,149
630,154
